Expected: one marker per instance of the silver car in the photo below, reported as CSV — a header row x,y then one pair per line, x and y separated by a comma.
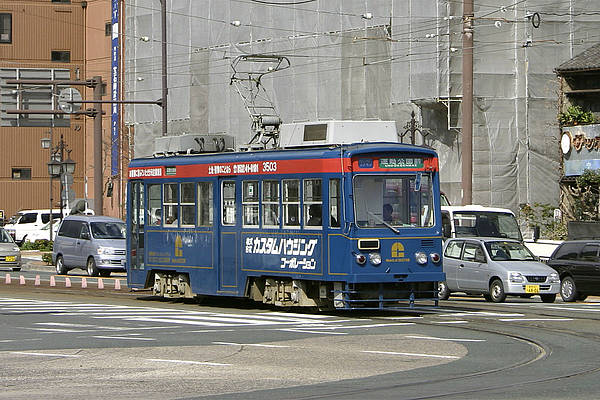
x,y
496,268
10,255
94,243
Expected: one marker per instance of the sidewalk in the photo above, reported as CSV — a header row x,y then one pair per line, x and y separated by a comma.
x,y
32,260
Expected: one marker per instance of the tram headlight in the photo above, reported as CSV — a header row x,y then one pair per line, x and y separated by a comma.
x,y
375,258
435,258
360,259
421,258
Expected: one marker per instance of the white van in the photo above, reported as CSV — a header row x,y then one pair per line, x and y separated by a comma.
x,y
26,221
479,221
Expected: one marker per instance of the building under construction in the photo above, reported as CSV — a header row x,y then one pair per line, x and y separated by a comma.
x,y
359,59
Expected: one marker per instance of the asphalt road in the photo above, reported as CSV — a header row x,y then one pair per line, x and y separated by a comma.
x,y
72,343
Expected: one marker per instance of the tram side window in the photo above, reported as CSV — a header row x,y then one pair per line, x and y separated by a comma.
x,y
154,205
270,203
313,203
291,202
170,205
205,204
228,216
188,205
334,203
250,203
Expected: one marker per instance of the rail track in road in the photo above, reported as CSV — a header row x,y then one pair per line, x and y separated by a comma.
x,y
553,357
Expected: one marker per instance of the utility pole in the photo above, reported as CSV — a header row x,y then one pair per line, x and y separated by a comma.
x,y
163,17
467,103
98,193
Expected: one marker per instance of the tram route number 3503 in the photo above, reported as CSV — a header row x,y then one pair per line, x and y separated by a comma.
x,y
269,166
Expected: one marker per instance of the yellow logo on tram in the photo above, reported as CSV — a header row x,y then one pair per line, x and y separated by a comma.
x,y
397,250
178,246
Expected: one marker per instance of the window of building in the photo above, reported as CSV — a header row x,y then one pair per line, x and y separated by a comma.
x,y
205,204
228,198
334,203
270,203
170,205
5,28
21,174
63,56
188,204
291,202
313,203
108,29
250,203
32,97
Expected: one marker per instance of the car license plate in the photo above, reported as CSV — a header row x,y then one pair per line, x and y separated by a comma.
x,y
532,288
10,258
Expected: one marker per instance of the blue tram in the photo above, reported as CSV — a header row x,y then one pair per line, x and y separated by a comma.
x,y
338,226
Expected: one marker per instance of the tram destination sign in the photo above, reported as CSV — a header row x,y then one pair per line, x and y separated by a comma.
x,y
400,162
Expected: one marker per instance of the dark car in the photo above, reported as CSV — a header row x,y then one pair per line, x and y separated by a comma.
x,y
578,264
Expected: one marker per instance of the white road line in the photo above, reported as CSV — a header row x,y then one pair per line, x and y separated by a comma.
x,y
307,331
45,354
409,354
122,338
188,362
450,322
178,321
356,326
480,313
445,339
251,344
534,319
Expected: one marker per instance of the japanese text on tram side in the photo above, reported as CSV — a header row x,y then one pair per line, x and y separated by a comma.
x,y
286,247
243,168
139,173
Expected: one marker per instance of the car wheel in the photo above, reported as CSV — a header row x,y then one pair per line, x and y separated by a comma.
x,y
104,273
548,298
92,270
443,291
497,294
487,297
60,266
568,290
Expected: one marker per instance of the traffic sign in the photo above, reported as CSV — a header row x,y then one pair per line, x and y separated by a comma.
x,y
66,98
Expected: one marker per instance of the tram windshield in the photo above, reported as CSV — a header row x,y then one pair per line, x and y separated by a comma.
x,y
395,201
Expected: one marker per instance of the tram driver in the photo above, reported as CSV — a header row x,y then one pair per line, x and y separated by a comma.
x,y
314,212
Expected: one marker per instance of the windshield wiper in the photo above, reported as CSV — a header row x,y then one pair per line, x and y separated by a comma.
x,y
383,222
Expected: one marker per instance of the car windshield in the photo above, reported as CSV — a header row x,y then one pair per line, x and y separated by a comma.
x,y
509,251
108,230
5,237
393,201
486,223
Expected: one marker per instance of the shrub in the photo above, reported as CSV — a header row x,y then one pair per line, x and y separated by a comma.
x,y
47,258
576,116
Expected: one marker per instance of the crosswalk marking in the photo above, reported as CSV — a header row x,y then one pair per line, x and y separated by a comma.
x,y
153,315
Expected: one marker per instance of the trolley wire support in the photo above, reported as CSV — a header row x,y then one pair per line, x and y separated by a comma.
x,y
260,107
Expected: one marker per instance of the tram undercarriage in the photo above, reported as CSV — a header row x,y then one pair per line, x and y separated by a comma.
x,y
287,292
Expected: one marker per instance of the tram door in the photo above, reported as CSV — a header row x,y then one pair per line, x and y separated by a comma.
x,y
135,269
229,235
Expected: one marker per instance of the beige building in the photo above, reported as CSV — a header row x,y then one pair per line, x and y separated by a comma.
x,y
52,40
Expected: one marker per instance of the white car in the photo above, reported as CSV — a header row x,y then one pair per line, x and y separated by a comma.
x,y
44,232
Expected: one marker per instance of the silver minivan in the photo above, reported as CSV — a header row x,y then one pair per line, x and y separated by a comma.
x,y
94,243
496,267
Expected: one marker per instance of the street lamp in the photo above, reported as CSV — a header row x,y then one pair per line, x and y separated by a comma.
x,y
57,168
